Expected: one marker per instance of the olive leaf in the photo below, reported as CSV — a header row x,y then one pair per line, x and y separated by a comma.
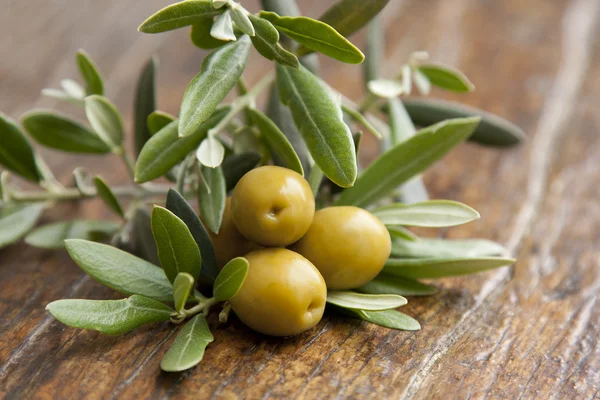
x,y
320,121
241,20
16,153
402,233
106,194
315,177
358,118
73,89
182,287
201,37
422,83
442,267
222,28
398,285
177,249
178,15
277,141
219,73
316,35
236,166
90,73
446,248
266,42
61,133
83,181
144,104
143,238
180,207
230,279
385,88
120,270
432,213
446,77
401,126
62,95
374,50
405,160
390,319
348,16
211,198
17,220
211,152
360,301
188,348
52,236
158,120
247,139
165,149
105,120
492,131
111,317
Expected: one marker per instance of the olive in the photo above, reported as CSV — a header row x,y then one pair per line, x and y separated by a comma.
x,y
283,294
272,206
229,242
348,245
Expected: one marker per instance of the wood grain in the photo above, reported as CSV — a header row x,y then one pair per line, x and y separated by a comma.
x,y
530,331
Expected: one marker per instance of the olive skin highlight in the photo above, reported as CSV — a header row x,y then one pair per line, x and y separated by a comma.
x,y
283,294
272,206
348,245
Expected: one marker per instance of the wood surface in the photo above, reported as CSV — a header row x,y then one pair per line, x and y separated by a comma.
x,y
530,331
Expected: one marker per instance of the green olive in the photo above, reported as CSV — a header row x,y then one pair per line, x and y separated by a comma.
x,y
283,294
348,245
230,243
272,206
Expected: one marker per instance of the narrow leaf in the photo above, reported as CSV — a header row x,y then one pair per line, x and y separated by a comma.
x,y
52,236
201,37
384,284
211,198
61,133
432,213
108,196
316,35
266,42
385,88
105,120
120,270
348,16
375,49
446,77
405,160
111,317
230,279
179,15
189,345
236,166
402,233
446,248
73,89
390,319
180,207
83,181
401,127
158,120
182,287
90,73
63,96
440,267
211,152
144,104
177,249
16,153
357,117
17,220
222,28
360,301
241,19
320,121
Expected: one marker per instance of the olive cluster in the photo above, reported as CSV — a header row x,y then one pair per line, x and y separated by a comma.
x,y
295,254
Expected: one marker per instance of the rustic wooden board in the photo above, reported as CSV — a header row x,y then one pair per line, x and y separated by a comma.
x,y
530,331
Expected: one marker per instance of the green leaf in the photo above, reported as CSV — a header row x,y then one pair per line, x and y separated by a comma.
x,y
182,287
180,207
61,133
158,120
165,149
143,238
401,127
315,177
247,139
390,319
317,36
219,73
73,89
105,120
16,153
402,233
179,15
266,42
177,249
144,104
446,77
17,220
384,284
189,345
222,28
52,236
348,16
442,267
236,166
374,50
405,160
83,181
230,279
241,19
277,141
446,248
90,73
211,152
63,96
108,196
360,301
385,88
111,317
211,198
492,131
357,117
432,213
320,121
200,35
120,270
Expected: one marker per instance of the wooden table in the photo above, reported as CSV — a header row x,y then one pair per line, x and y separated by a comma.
x,y
530,331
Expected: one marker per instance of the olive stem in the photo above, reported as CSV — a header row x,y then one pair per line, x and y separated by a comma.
x,y
202,307
224,314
